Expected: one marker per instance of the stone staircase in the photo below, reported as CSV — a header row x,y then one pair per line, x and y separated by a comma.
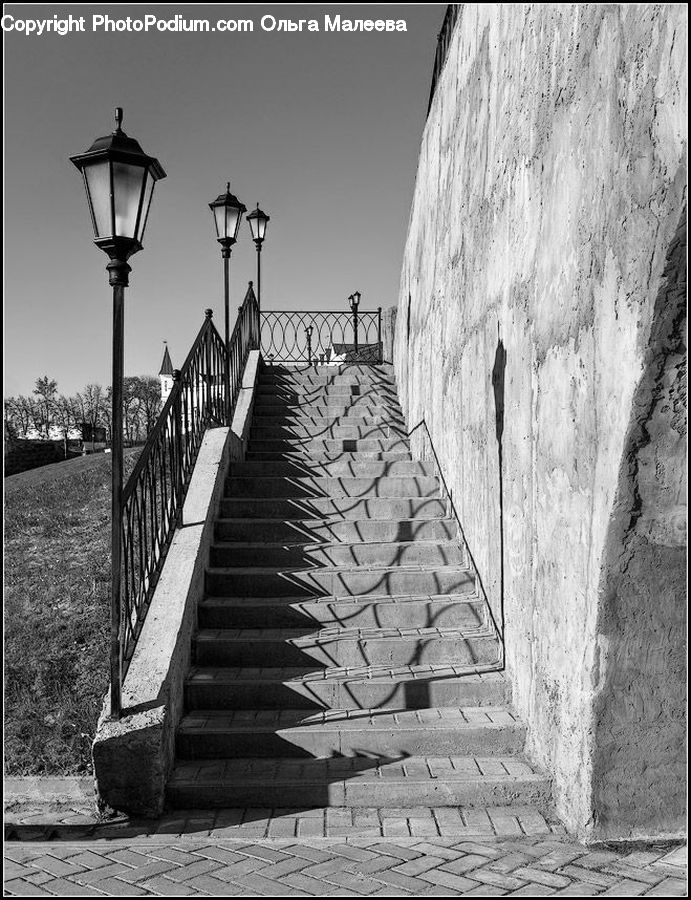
x,y
344,656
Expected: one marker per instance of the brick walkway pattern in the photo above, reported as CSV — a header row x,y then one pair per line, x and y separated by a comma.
x,y
360,867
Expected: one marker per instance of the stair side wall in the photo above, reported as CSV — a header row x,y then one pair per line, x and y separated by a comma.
x,y
550,185
133,756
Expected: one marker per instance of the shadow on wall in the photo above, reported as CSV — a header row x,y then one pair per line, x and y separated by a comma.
x,y
640,708
498,372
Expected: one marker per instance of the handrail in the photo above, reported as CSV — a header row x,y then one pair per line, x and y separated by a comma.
x,y
155,491
328,337
453,10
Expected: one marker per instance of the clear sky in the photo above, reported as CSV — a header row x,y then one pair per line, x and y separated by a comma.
x,y
322,129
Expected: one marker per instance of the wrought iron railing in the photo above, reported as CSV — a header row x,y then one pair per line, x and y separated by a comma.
x,y
453,11
324,337
204,394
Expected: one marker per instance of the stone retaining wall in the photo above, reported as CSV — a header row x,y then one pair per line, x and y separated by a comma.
x,y
540,334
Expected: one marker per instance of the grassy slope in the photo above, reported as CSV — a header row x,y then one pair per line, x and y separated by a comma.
x,y
57,588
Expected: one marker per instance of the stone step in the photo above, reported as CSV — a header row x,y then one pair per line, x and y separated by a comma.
x,y
364,687
333,582
354,468
463,612
334,507
280,414
358,782
301,456
321,374
300,379
470,731
268,406
328,445
312,423
333,486
343,647
399,553
300,393
312,531
336,431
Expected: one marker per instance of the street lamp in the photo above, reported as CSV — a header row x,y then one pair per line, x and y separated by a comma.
x,y
227,212
258,221
119,179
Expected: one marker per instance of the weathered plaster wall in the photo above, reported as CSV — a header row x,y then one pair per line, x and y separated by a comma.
x,y
533,337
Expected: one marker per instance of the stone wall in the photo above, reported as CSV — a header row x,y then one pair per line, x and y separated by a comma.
x,y
540,336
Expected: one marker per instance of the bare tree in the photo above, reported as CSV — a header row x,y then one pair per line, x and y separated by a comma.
x,y
64,418
92,406
150,400
130,407
46,391
17,423
25,411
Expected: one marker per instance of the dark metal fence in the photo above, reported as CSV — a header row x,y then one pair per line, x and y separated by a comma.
x,y
204,393
453,11
324,337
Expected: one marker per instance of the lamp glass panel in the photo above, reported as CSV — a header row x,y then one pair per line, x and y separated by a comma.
x,y
148,191
97,177
127,190
233,222
220,220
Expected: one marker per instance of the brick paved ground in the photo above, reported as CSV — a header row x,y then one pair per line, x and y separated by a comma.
x,y
191,865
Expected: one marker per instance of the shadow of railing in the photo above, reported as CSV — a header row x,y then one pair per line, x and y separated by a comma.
x,y
447,494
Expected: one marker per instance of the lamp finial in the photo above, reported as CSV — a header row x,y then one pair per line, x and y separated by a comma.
x,y
118,118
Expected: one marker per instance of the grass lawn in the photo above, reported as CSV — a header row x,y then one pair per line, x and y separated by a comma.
x,y
57,591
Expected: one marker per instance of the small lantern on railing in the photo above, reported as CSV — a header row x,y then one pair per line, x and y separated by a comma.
x,y
354,304
308,332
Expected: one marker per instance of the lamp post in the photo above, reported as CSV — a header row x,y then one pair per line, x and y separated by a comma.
x,y
354,304
258,221
227,212
119,179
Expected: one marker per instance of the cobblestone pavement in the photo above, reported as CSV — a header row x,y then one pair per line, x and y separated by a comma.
x,y
364,866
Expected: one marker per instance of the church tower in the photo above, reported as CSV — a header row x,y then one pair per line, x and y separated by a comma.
x,y
166,374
